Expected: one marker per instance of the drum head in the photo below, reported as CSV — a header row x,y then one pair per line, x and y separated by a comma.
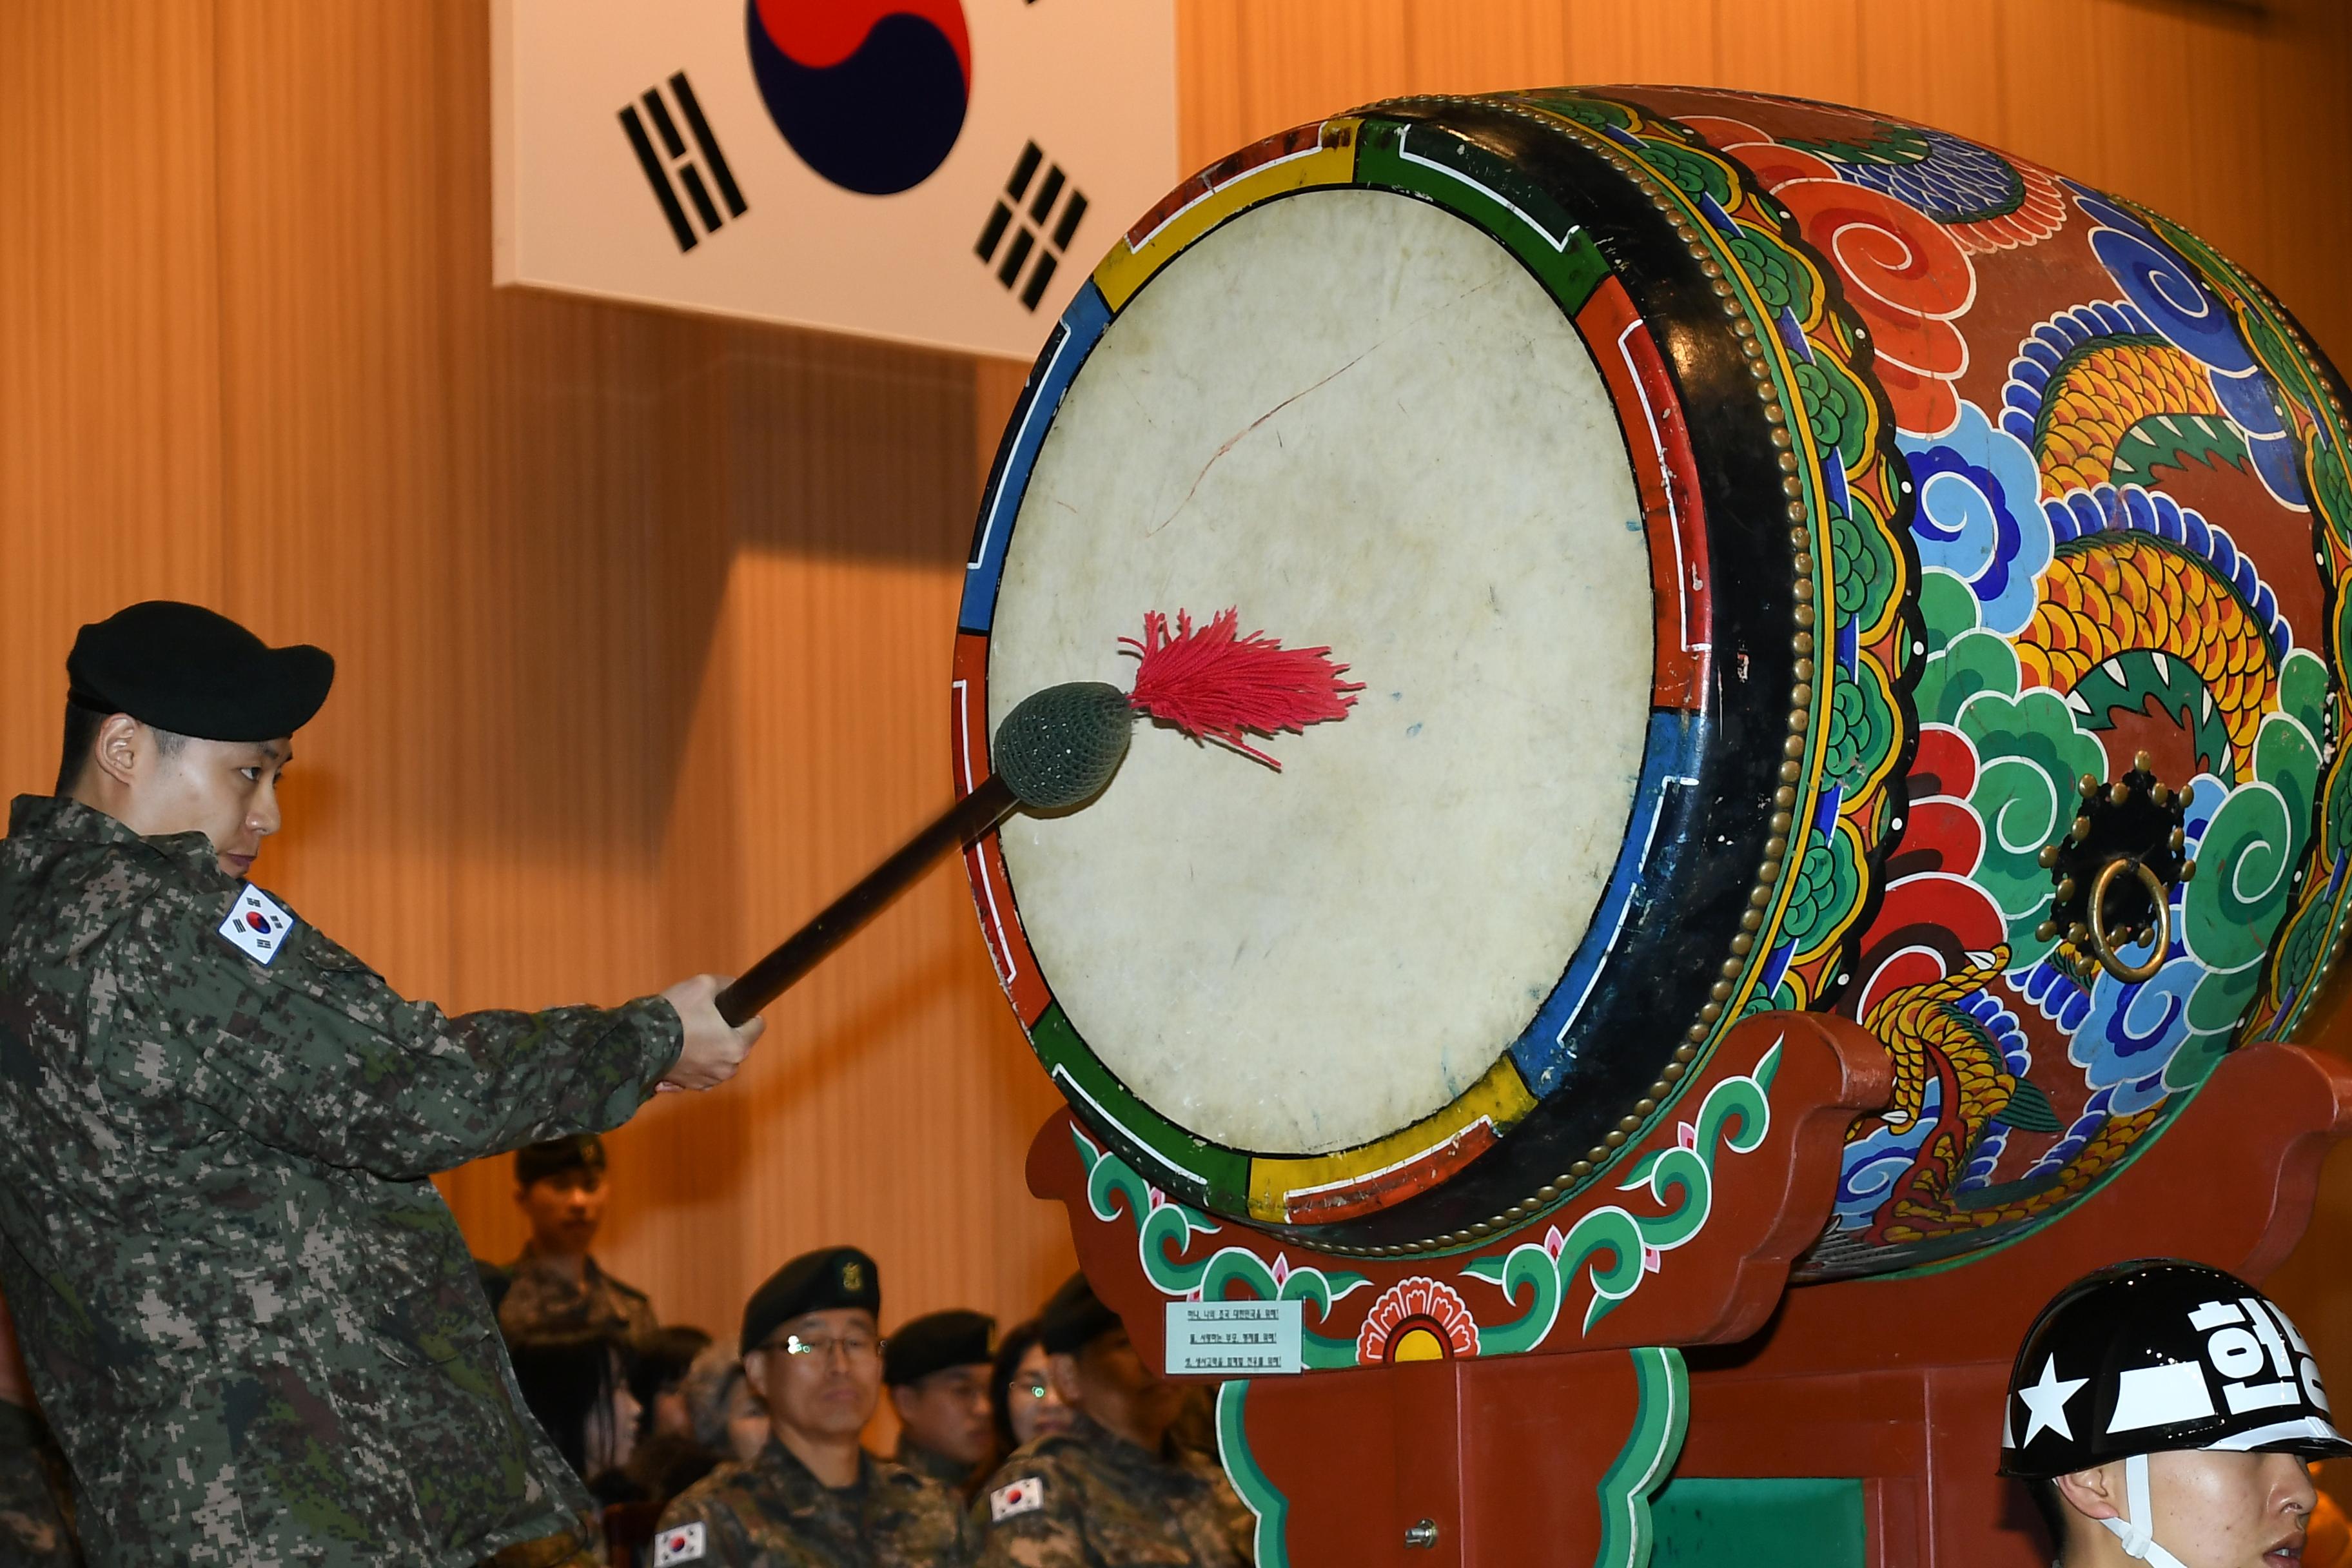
x,y
1360,420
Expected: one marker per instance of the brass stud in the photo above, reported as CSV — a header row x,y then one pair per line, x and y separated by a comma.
x,y
1759,897
1794,746
1800,720
1769,872
1792,487
1628,1123
1740,324
2141,762
2065,888
1781,821
2160,794
1721,290
2049,856
1659,1090
1743,944
2188,870
1805,614
1731,968
1579,1170
1774,848
2044,931
2187,797
2178,839
1790,773
1750,918
1709,1012
1685,1053
1774,413
1615,1141
2080,830
1784,797
1787,462
1803,643
1804,669
1671,1071
1548,1192
1802,695
1780,439
2078,933
2119,793
1803,588
1720,991
2086,786
1804,563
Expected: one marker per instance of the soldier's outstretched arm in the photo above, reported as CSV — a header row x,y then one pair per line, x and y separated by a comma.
x,y
308,1049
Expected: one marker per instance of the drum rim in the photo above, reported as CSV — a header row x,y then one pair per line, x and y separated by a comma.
x,y
1271,171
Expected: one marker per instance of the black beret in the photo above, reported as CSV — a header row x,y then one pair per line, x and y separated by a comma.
x,y
580,1152
936,1341
1074,1319
812,1282
185,669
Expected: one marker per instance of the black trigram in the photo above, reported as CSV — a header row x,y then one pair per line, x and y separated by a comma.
x,y
680,162
1030,234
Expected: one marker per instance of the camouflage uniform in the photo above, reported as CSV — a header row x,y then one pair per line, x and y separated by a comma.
x,y
772,1513
541,1299
1085,1499
948,1472
251,1317
35,1494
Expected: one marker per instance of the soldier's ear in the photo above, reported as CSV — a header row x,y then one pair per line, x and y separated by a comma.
x,y
117,749
2095,1493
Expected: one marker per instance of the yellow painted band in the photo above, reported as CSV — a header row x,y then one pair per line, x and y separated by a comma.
x,y
1500,1097
1333,162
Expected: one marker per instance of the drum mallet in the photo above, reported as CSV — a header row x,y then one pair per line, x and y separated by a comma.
x,y
1056,750
1059,747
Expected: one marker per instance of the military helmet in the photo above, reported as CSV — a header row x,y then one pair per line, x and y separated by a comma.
x,y
2155,1355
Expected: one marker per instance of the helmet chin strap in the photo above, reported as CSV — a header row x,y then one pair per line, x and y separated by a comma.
x,y
2132,1529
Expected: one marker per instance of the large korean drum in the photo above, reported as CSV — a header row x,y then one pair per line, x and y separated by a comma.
x,y
1794,560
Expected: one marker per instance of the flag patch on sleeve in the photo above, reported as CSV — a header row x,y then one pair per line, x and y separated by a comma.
x,y
686,1543
255,926
1021,1497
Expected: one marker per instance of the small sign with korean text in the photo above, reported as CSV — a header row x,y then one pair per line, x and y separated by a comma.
x,y
1235,1338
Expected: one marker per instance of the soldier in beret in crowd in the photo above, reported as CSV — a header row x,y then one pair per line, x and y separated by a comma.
x,y
250,1316
814,1497
556,1285
936,1368
1113,1490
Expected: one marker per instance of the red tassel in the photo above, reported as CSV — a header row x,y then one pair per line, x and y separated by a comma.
x,y
1214,686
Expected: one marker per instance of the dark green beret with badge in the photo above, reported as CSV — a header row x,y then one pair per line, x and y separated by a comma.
x,y
1074,1319
813,1282
936,1341
580,1152
193,671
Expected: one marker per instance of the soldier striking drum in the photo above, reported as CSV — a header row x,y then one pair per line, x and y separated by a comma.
x,y
248,1313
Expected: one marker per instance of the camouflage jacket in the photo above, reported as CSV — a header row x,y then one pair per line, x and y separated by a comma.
x,y
772,1513
35,1494
248,1313
541,1299
1085,1499
956,1478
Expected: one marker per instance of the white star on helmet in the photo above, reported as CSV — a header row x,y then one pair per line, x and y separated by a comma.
x,y
2045,1403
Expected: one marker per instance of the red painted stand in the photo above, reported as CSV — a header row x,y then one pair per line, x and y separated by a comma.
x,y
1651,1327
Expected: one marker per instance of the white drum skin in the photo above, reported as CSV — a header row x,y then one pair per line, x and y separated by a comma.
x,y
1360,420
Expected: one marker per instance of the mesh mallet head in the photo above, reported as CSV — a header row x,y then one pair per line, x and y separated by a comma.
x,y
1059,747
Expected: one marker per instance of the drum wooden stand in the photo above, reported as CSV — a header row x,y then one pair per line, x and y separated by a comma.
x,y
1852,1423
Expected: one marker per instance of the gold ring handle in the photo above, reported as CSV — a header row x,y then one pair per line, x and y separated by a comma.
x,y
2103,948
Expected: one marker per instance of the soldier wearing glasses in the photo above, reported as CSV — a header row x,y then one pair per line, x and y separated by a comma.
x,y
814,1497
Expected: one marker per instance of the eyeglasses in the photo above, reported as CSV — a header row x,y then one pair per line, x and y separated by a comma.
x,y
853,1347
1033,1388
